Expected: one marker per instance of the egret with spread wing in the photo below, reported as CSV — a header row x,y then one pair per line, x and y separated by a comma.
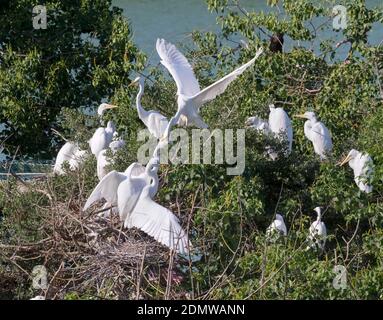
x,y
190,96
132,191
137,209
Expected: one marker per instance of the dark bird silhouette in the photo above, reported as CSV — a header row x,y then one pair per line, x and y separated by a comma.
x,y
276,42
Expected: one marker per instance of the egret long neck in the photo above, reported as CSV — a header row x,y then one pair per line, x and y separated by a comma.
x,y
142,113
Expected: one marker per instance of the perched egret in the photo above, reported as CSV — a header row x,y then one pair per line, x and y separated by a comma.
x,y
71,153
280,125
317,133
102,137
103,161
276,228
153,120
190,96
362,165
317,232
77,159
132,191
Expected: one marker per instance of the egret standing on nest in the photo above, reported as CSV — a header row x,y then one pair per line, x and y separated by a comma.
x,y
362,165
190,96
317,133
132,191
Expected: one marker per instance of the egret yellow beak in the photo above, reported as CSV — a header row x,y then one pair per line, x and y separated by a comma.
x,y
110,106
302,116
344,161
133,83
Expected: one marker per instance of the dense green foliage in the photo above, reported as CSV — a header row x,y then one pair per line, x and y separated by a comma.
x,y
83,56
228,215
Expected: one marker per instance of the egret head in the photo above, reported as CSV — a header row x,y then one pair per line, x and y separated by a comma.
x,y
271,107
351,155
137,81
278,217
309,115
103,107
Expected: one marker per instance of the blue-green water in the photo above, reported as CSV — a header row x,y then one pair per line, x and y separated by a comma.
x,y
174,20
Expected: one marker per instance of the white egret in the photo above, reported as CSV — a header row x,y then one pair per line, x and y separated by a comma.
x,y
78,159
317,232
71,153
132,191
362,165
137,209
102,137
317,133
277,227
107,187
153,120
103,161
280,125
190,96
